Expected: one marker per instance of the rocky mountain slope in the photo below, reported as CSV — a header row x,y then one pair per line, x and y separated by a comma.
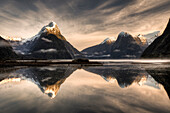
x,y
160,48
128,47
6,51
99,51
49,43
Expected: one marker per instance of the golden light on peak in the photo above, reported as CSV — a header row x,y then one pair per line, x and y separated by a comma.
x,y
111,79
55,30
141,40
142,81
52,90
11,38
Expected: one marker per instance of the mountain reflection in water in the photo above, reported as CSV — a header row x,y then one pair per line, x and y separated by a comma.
x,y
48,79
125,75
86,81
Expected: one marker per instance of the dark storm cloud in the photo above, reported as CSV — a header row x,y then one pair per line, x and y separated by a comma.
x,y
119,3
154,10
83,17
23,5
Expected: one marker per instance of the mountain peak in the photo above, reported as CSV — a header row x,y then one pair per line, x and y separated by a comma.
x,y
124,37
51,24
51,28
139,35
123,34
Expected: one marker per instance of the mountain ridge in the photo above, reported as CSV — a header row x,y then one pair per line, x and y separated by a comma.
x,y
160,48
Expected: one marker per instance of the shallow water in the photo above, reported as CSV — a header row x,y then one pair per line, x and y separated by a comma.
x,y
115,87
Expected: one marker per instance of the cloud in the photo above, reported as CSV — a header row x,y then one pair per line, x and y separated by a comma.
x,y
104,18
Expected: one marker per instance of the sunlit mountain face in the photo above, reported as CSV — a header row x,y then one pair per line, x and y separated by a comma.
x,y
52,28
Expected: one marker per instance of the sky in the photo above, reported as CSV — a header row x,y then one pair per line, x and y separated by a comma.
x,y
83,22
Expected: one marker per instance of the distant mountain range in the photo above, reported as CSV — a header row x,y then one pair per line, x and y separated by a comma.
x,y
125,46
49,43
160,48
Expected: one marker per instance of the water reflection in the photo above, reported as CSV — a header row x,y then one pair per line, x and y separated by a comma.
x,y
162,76
125,75
48,79
116,88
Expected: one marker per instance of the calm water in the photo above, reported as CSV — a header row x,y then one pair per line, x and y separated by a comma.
x,y
116,87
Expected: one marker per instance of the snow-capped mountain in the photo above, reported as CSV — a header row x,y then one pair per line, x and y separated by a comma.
x,y
51,28
99,51
128,47
49,43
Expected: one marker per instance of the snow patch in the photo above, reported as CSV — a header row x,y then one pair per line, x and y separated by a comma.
x,y
46,79
19,52
46,40
47,50
130,56
48,68
116,50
